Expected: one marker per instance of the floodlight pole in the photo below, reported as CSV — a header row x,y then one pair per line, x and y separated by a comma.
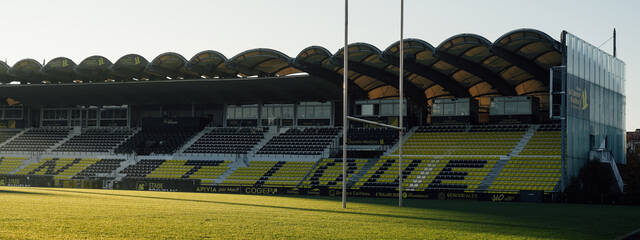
x,y
401,110
345,123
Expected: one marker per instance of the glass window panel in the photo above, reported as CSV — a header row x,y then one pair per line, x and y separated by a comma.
x,y
449,109
312,112
570,54
301,111
386,109
266,112
277,112
437,109
498,108
287,112
75,114
238,114
326,111
93,114
231,113
13,114
367,109
524,107
462,108
511,107
251,112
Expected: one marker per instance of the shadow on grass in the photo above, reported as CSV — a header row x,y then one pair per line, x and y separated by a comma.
x,y
21,192
525,226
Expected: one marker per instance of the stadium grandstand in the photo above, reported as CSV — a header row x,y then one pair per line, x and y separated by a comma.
x,y
519,116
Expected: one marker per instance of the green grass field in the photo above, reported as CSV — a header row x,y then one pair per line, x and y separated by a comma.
x,y
53,213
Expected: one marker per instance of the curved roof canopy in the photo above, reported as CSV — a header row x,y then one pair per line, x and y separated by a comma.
x,y
311,60
168,65
4,73
60,69
262,62
94,69
532,45
534,52
27,70
435,84
482,68
419,82
130,66
465,65
210,64
319,61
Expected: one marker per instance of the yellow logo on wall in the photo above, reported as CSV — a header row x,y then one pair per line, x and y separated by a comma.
x,y
585,103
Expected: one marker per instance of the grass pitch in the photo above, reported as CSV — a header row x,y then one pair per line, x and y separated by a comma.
x,y
51,213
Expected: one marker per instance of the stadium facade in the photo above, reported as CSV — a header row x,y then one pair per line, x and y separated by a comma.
x,y
522,113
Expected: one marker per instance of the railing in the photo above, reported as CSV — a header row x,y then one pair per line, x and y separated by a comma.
x,y
609,158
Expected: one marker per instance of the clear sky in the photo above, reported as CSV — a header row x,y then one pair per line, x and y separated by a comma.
x,y
47,29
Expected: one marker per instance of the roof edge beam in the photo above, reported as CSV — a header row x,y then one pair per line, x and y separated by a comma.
x,y
446,82
330,76
486,75
522,63
413,92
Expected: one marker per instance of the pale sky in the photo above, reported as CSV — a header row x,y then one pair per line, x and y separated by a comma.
x,y
44,30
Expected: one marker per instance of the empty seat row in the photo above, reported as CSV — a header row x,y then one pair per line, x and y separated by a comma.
x,y
157,140
96,140
103,166
306,141
36,139
227,141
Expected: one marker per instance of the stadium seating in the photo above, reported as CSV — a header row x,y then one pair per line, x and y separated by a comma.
x,y
543,143
528,173
158,140
372,136
47,166
307,141
8,164
452,172
457,173
96,140
499,128
103,166
8,133
435,157
442,128
77,166
207,171
29,168
456,140
141,168
550,127
383,174
63,168
227,140
537,166
170,169
328,172
288,174
249,175
36,140
177,169
269,173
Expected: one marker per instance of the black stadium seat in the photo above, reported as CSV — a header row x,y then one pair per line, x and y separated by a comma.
x,y
308,141
157,140
36,140
227,141
96,140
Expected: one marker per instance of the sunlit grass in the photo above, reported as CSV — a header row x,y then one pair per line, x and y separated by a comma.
x,y
51,213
